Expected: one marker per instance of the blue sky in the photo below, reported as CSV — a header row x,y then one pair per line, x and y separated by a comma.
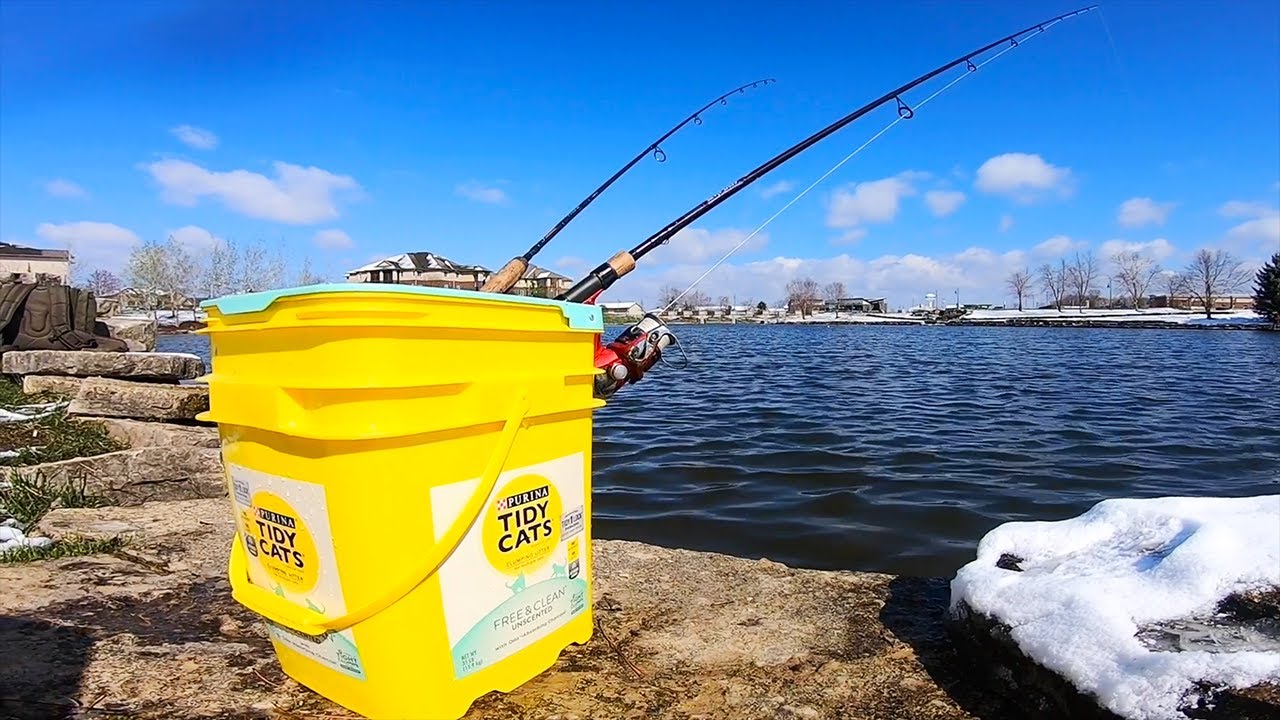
x,y
349,132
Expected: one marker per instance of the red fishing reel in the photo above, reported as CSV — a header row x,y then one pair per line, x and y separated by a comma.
x,y
631,354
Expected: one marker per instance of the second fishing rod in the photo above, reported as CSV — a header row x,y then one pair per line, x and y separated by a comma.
x,y
623,262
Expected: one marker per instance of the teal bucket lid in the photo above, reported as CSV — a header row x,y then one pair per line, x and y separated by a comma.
x,y
579,315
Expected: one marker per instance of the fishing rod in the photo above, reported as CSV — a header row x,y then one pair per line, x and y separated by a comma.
x,y
623,262
510,273
638,348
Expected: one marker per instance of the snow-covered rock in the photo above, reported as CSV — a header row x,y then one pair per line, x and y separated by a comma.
x,y
1084,597
12,537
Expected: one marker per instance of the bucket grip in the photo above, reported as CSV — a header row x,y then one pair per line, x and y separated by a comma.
x,y
309,622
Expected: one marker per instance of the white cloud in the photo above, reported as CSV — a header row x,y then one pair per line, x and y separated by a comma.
x,y
1262,226
874,201
1266,229
1006,222
195,137
979,274
93,245
1057,246
849,237
1022,176
1139,211
195,239
63,188
570,263
695,245
943,202
333,239
1158,249
481,193
778,188
297,195
1243,208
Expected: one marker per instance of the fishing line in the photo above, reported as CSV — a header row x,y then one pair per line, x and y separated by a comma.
x,y
1120,69
909,113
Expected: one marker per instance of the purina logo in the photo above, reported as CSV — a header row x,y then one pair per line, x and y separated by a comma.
x,y
524,498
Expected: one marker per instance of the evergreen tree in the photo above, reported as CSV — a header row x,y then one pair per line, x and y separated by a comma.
x,y
1266,294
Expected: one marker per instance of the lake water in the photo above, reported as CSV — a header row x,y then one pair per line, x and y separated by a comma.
x,y
896,448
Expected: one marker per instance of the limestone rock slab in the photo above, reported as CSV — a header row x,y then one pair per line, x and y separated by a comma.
x,y
105,397
130,477
151,366
139,331
141,433
57,384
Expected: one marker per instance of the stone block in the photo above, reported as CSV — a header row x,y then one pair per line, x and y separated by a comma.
x,y
141,475
141,331
148,366
104,397
141,433
57,384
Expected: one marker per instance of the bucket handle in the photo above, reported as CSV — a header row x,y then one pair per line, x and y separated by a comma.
x,y
309,622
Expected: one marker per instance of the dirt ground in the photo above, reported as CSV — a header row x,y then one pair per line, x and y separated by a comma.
x,y
152,631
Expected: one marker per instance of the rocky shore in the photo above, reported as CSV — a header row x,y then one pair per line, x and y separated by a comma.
x,y
151,631
127,613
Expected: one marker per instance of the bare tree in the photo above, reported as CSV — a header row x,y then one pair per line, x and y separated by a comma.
x,y
726,304
1081,275
696,299
802,294
259,269
667,295
220,273
832,292
306,276
1054,280
1135,272
1020,283
147,273
1173,284
1210,275
180,274
103,282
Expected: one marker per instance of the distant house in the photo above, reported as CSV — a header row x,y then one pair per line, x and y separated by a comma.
x,y
856,305
1189,302
541,282
623,309
421,268
34,262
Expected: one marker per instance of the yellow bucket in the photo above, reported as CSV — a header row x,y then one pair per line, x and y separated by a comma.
x,y
410,473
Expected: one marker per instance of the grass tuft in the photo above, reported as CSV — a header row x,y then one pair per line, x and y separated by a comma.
x,y
29,498
71,546
50,438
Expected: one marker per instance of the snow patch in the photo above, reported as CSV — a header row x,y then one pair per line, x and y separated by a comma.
x,y
29,412
1165,315
855,318
1088,583
12,537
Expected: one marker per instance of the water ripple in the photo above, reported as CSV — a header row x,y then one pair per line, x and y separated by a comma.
x,y
896,448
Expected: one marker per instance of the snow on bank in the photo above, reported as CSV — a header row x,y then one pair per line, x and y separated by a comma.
x,y
854,319
1164,315
12,538
1089,582
29,412
168,318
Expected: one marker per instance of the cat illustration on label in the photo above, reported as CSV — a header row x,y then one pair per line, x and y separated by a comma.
x,y
557,570
517,585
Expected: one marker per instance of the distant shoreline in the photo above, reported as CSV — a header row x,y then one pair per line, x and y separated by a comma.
x,y
1200,322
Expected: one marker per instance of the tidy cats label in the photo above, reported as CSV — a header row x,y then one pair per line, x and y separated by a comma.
x,y
516,576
